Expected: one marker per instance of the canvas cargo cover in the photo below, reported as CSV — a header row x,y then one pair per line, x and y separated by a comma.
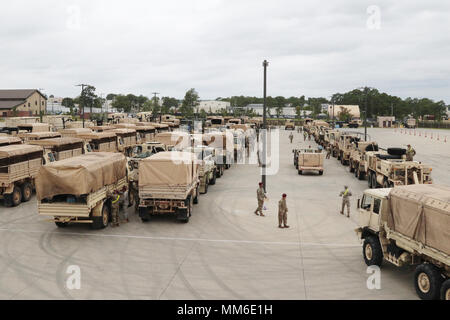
x,y
56,142
80,175
35,127
18,150
96,135
219,140
75,131
42,135
102,128
168,169
6,140
310,159
180,140
422,212
121,131
124,126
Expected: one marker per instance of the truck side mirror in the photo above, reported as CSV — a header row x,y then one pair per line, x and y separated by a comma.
x,y
359,203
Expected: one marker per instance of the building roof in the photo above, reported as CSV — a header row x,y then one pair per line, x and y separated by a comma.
x,y
9,104
15,97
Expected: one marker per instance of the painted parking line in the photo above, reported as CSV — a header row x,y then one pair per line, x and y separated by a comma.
x,y
120,236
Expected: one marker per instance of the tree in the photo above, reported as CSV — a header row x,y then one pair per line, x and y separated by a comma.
x,y
122,103
88,98
169,103
190,102
111,96
68,103
345,115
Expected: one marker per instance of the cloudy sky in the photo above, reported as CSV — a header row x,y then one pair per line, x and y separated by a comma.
x,y
315,48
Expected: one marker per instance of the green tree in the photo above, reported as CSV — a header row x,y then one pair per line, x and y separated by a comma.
x,y
190,101
169,103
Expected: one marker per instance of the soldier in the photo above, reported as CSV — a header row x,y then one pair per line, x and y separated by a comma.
x,y
410,153
282,212
346,194
133,191
291,137
122,204
261,196
328,152
305,135
115,198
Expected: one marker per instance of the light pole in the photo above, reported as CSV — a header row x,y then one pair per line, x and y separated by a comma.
x,y
265,65
81,97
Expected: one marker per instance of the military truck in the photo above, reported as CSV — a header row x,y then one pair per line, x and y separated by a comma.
x,y
168,184
174,140
216,122
309,160
410,123
9,140
409,225
126,140
19,165
160,127
334,140
75,190
344,145
34,136
357,162
99,141
207,171
223,144
144,116
391,169
289,125
59,148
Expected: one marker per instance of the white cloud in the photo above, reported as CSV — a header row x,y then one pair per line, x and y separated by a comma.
x,y
315,48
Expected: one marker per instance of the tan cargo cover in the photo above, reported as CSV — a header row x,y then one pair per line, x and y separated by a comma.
x,y
55,142
422,212
80,175
18,150
168,169
219,140
5,140
310,159
179,140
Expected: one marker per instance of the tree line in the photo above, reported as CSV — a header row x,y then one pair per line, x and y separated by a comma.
x,y
378,103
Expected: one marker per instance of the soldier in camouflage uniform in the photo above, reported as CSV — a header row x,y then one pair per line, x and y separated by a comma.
x,y
261,196
410,153
291,137
115,206
133,190
282,212
346,194
328,152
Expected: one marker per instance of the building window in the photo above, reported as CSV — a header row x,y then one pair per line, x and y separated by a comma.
x,y
29,104
35,103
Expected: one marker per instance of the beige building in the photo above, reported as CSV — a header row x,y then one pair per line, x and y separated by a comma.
x,y
385,122
21,103
213,106
353,109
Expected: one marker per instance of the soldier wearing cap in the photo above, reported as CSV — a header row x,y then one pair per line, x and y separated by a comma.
x,y
410,153
346,194
282,212
261,196
115,205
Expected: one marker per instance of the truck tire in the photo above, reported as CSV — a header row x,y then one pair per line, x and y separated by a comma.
x,y
185,214
351,167
386,184
196,196
102,221
13,199
372,251
396,151
27,191
143,214
300,172
361,175
427,281
61,224
369,180
374,181
320,173
445,290
213,180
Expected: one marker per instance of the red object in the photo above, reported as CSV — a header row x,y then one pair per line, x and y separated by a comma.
x,y
284,195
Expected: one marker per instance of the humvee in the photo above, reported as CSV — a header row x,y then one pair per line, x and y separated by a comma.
x,y
207,170
308,160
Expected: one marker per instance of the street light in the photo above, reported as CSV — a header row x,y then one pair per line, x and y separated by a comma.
x,y
81,97
265,65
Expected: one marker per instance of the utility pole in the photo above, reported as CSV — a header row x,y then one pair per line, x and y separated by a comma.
x,y
365,114
40,104
82,97
265,65
155,99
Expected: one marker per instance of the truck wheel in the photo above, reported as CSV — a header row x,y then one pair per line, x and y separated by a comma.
x,y
445,290
320,173
27,191
351,168
61,224
13,199
427,282
361,175
213,180
372,252
196,196
386,184
102,221
374,181
300,172
369,180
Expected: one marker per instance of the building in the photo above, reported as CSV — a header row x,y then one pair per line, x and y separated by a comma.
x,y
22,103
287,113
385,122
337,109
213,106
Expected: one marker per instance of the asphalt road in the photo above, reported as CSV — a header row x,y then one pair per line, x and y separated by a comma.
x,y
224,252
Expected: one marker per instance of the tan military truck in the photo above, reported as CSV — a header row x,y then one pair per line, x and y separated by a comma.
x,y
216,122
19,165
409,225
357,161
207,170
144,116
223,144
334,141
174,140
309,160
168,184
75,190
391,169
160,127
9,140
99,141
35,136
59,148
126,140
289,125
344,145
